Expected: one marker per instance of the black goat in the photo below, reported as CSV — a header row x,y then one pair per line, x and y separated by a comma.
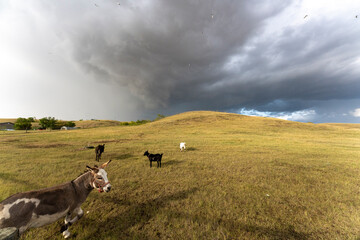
x,y
154,157
99,150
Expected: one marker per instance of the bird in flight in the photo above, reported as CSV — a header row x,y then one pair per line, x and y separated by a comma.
x,y
305,16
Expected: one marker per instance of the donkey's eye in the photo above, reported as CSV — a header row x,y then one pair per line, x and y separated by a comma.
x,y
98,177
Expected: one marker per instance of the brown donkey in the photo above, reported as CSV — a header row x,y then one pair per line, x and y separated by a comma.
x,y
41,207
98,151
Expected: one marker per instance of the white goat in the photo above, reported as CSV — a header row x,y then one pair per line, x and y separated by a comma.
x,y
182,146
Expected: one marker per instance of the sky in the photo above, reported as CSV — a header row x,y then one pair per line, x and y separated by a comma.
x,y
128,60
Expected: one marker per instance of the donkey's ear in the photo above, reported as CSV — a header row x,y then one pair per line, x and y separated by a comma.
x,y
94,169
105,164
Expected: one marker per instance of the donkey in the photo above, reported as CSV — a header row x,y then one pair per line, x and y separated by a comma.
x,y
99,150
41,207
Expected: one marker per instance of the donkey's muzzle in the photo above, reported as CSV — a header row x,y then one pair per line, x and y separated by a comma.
x,y
107,188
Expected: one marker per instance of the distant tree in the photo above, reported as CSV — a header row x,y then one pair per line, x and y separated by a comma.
x,y
159,116
23,123
48,123
70,124
60,124
132,123
139,122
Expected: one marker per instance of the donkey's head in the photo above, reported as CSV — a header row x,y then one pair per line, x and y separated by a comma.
x,y
100,180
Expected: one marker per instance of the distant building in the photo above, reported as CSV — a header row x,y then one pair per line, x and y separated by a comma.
x,y
7,126
68,128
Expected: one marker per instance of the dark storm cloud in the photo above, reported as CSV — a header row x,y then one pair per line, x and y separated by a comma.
x,y
169,52
292,70
215,55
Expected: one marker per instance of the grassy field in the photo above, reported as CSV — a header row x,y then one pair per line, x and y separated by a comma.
x,y
240,178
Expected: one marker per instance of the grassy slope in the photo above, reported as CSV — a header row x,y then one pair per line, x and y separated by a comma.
x,y
241,178
96,123
13,120
80,124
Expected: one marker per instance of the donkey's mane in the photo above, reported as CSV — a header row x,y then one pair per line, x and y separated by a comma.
x,y
85,171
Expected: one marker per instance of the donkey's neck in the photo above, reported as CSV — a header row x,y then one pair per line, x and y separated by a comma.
x,y
82,185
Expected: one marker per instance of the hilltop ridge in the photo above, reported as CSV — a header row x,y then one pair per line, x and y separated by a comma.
x,y
219,118
213,118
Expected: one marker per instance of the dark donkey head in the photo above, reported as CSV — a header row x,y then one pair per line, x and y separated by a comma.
x,y
98,151
146,153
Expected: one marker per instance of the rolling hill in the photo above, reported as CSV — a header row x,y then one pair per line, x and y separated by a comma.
x,y
241,177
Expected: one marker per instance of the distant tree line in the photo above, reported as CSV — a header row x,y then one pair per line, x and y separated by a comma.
x,y
45,123
52,123
134,123
139,122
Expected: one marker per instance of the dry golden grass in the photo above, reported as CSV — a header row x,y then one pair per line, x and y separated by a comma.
x,y
80,124
240,178
96,123
12,120
343,125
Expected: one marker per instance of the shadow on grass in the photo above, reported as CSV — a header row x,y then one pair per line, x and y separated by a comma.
x,y
12,178
139,213
171,162
191,149
233,227
165,163
51,145
121,156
